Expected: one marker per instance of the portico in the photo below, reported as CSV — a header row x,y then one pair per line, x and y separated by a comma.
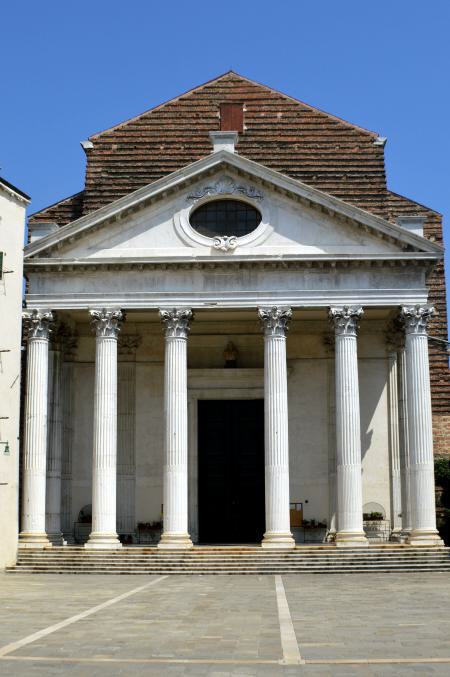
x,y
184,386
305,299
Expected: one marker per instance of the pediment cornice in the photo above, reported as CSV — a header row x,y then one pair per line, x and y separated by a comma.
x,y
322,261
248,169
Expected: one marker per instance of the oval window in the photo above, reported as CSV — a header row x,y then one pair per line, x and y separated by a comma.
x,y
225,217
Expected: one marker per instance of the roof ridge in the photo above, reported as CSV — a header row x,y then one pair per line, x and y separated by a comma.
x,y
243,77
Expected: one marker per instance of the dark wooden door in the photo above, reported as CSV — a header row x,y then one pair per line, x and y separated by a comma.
x,y
231,471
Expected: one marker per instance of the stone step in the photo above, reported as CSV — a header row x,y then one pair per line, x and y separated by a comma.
x,y
154,559
175,568
257,555
238,560
237,571
256,561
234,562
199,549
234,565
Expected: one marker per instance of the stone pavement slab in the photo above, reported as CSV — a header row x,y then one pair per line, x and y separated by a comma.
x,y
225,625
371,616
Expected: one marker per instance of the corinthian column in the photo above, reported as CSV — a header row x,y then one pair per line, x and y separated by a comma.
x,y
35,444
175,514
276,442
348,437
420,436
103,534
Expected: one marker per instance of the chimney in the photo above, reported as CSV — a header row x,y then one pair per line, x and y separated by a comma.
x,y
223,141
414,224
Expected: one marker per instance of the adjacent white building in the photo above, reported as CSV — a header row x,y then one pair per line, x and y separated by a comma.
x,y
13,203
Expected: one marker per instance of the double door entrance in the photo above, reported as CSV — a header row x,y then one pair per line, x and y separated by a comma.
x,y
231,471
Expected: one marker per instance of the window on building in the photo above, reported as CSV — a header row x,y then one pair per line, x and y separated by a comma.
x,y
225,217
231,117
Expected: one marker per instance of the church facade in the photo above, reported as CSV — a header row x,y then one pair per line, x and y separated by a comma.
x,y
235,334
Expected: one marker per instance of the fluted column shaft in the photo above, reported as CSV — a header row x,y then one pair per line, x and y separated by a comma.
x,y
276,434
348,436
420,435
404,444
175,513
104,461
54,457
35,443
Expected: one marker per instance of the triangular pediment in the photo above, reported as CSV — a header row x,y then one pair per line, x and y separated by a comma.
x,y
297,220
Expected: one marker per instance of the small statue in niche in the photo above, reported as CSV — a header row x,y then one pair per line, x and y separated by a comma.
x,y
230,354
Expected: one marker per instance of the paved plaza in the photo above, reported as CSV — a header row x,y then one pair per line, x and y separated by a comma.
x,y
225,625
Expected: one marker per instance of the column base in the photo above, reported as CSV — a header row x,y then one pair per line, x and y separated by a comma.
x,y
175,541
424,537
30,539
103,541
351,539
274,540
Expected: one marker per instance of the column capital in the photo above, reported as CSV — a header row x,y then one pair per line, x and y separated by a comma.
x,y
415,318
345,319
37,323
275,320
176,321
106,322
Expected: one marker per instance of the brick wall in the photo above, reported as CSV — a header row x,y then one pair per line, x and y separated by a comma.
x,y
441,435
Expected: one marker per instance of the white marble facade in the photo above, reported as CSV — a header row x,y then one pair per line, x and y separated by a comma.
x,y
310,300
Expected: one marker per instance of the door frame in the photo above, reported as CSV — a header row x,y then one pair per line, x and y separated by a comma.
x,y
213,384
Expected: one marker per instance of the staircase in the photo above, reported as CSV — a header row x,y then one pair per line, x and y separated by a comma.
x,y
320,559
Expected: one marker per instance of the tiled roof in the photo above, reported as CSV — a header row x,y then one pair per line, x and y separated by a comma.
x,y
280,132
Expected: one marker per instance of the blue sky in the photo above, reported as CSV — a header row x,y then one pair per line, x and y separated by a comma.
x,y
72,68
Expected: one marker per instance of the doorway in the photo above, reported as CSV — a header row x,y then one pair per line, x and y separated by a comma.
x,y
231,471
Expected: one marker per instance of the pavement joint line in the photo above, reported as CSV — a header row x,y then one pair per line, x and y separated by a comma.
x,y
289,644
13,646
229,661
198,661
373,661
